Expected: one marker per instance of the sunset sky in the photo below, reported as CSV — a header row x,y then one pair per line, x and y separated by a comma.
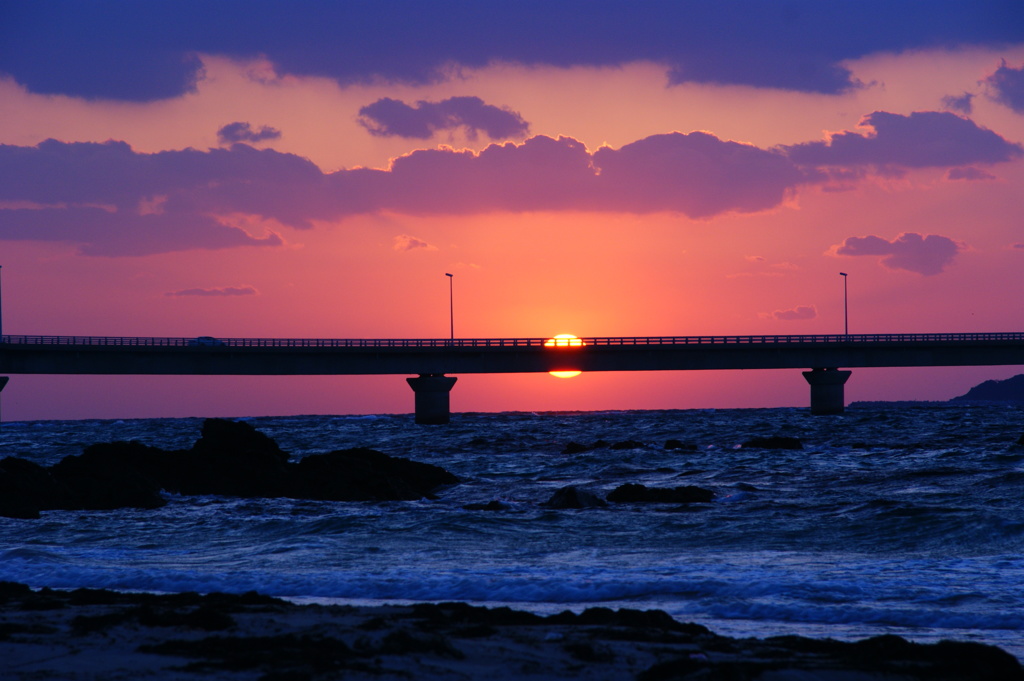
x,y
604,168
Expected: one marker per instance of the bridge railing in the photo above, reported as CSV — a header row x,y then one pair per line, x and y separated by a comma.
x,y
210,342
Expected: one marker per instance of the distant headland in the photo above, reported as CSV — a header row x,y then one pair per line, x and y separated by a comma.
x,y
1007,391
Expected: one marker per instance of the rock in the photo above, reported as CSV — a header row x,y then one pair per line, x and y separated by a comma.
x,y
628,444
773,442
575,448
220,434
363,474
677,444
105,478
230,459
637,493
574,497
26,488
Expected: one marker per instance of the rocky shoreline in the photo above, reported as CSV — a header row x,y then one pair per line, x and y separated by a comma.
x,y
90,634
230,458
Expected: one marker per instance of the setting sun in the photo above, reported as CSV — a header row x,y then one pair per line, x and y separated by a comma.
x,y
564,340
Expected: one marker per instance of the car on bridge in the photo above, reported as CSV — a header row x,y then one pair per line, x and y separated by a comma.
x,y
206,341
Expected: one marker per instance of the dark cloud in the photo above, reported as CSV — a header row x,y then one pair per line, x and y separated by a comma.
x,y
243,132
796,313
221,291
922,139
149,51
969,173
696,174
910,251
112,200
392,118
1008,86
963,104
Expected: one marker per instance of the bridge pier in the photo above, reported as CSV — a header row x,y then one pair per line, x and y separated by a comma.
x,y
827,390
3,382
432,398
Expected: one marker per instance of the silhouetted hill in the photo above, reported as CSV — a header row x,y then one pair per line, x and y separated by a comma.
x,y
1009,390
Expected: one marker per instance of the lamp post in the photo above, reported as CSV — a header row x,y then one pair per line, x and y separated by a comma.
x,y
846,307
451,303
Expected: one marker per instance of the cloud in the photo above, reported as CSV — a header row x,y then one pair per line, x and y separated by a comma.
x,y
392,118
696,174
112,200
962,104
243,132
150,51
969,173
926,255
1007,84
222,291
797,313
921,140
404,242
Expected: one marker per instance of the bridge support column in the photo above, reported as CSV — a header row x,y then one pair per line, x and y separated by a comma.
x,y
827,390
432,399
3,382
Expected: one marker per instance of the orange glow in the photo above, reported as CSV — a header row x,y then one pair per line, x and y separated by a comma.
x,y
564,340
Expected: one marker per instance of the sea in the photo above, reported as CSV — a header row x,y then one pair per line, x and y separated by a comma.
x,y
905,520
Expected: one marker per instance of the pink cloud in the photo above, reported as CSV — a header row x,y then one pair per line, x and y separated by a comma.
x,y
797,313
926,255
221,291
404,242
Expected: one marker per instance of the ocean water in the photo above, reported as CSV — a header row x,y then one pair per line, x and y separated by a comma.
x,y
904,520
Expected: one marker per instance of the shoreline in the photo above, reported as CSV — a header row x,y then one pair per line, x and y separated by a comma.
x,y
93,634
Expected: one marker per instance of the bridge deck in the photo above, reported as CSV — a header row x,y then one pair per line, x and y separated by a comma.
x,y
325,356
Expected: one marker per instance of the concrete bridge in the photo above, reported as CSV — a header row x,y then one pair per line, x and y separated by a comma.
x,y
432,360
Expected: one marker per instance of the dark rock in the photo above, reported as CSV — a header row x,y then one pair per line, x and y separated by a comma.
x,y
575,448
627,444
677,444
773,442
26,488
220,434
116,475
364,475
637,493
229,459
234,459
574,497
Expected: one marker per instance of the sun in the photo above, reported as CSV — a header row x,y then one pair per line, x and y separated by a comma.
x,y
564,340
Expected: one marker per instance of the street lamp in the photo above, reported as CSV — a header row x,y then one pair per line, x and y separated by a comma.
x,y
451,303
846,307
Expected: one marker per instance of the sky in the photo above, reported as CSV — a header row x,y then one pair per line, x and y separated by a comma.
x,y
313,169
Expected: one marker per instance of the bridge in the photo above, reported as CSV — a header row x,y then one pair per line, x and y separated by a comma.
x,y
432,360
